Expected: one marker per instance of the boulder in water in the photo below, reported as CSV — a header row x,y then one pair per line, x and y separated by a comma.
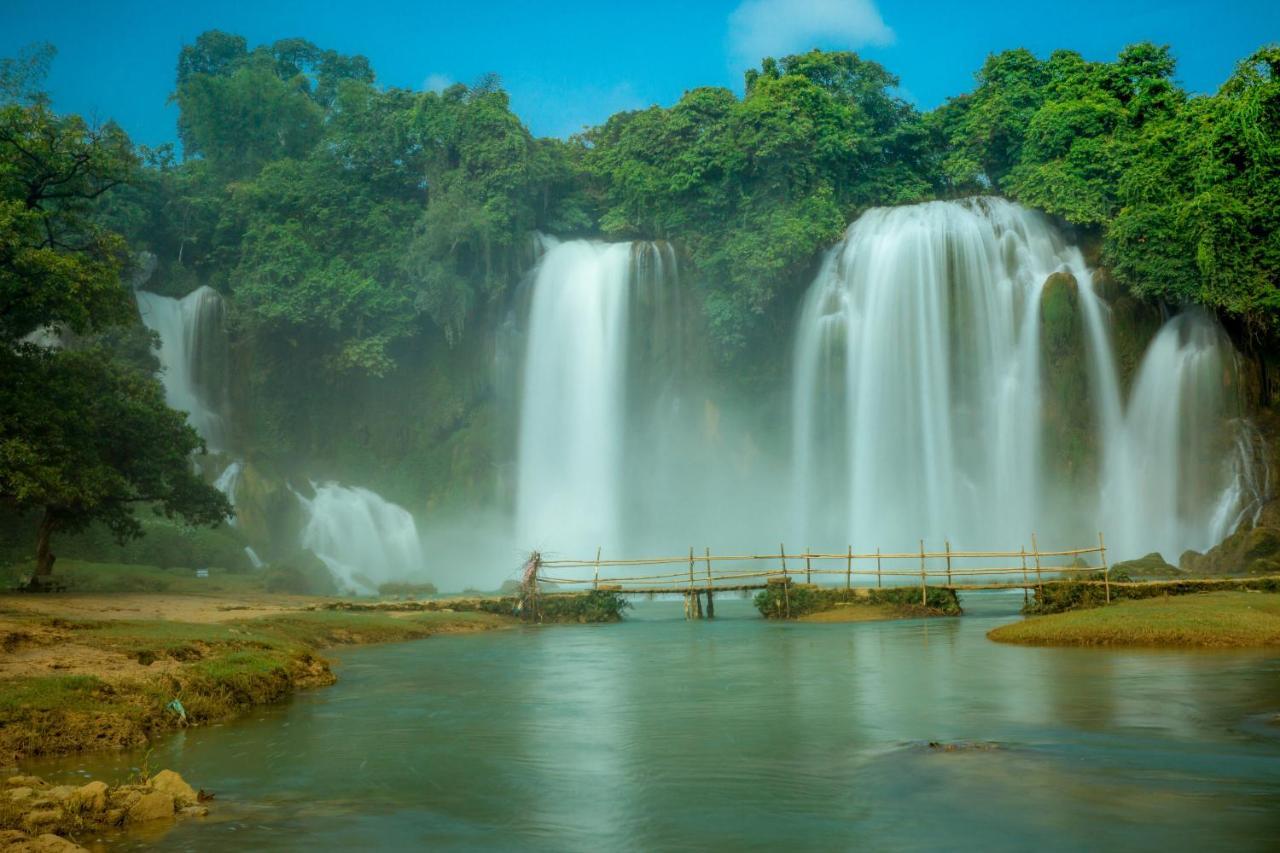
x,y
174,785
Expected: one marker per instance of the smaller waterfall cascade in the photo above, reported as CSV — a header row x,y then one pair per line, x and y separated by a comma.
x,y
1180,473
364,539
193,354
228,482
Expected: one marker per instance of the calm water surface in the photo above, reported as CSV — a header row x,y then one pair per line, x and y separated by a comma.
x,y
736,734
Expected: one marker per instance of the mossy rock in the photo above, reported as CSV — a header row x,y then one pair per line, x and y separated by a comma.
x,y
1252,551
1153,565
301,573
268,512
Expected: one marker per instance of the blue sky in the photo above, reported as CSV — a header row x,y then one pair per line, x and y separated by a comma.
x,y
569,64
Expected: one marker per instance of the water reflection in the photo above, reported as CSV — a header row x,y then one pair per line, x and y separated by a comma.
x,y
659,734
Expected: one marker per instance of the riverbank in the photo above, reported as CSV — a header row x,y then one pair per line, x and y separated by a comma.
x,y
111,671
1206,620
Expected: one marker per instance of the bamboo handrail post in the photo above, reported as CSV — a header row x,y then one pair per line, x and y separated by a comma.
x,y
1024,576
596,583
782,552
808,567
1106,570
924,598
948,562
879,577
848,571
1035,549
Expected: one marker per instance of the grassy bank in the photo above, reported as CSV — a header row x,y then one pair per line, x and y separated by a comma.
x,y
1229,619
73,684
803,601
1078,594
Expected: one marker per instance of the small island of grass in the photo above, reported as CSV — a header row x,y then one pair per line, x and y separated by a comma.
x,y
1205,620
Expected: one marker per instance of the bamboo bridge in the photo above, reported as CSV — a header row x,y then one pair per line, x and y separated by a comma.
x,y
701,576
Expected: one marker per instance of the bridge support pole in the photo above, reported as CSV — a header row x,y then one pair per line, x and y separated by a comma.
x,y
711,605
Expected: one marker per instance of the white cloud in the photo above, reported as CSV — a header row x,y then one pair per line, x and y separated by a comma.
x,y
437,83
760,28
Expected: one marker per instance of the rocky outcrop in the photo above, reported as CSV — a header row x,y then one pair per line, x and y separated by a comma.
x,y
35,816
1253,551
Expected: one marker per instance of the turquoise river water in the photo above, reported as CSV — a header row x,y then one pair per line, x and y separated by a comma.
x,y
661,734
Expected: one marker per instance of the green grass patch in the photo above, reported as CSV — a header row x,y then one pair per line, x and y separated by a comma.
x,y
1210,619
1088,592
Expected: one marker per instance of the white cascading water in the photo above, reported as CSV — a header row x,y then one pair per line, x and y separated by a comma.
x,y
917,397
917,377
228,483
191,329
364,539
573,393
1179,474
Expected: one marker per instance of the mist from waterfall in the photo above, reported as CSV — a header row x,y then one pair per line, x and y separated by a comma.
x,y
193,355
364,539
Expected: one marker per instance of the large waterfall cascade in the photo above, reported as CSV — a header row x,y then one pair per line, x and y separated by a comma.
x,y
364,539
193,355
587,357
918,397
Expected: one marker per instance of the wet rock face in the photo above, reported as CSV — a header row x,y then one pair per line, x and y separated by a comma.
x,y
154,805
175,786
1255,551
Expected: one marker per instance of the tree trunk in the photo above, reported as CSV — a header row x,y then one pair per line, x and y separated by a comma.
x,y
44,556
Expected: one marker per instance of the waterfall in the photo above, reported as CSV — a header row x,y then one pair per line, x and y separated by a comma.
x,y
228,482
193,357
364,539
576,421
917,378
920,410
1180,474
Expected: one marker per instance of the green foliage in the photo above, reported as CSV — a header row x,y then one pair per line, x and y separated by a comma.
x,y
594,606
792,601
754,189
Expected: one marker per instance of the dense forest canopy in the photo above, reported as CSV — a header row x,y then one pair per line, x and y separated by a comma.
x,y
344,216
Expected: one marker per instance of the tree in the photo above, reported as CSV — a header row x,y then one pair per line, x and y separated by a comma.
x,y
85,434
86,438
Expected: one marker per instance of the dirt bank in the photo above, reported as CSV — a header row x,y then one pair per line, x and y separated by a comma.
x,y
107,671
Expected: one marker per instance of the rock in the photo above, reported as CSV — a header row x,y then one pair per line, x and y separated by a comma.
x,y
25,782
50,843
175,786
155,805
91,798
20,793
1259,544
1152,565
114,817
38,819
195,811
60,793
10,837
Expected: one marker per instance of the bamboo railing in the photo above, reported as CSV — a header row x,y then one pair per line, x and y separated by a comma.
x,y
759,570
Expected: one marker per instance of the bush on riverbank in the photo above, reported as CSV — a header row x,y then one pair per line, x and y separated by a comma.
x,y
1089,592
1212,620
597,605
792,601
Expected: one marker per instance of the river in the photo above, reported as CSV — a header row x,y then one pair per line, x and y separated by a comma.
x,y
738,734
